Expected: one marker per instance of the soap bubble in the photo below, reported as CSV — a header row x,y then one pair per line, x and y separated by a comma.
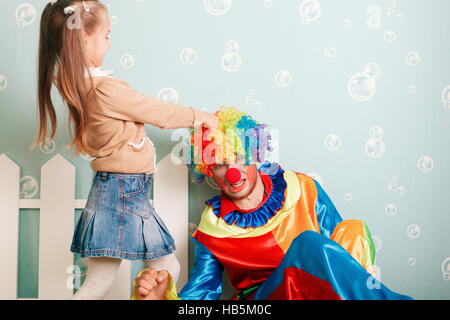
x,y
445,268
425,164
127,61
332,142
258,105
411,261
3,82
389,36
347,23
188,56
74,279
412,89
445,96
231,62
412,58
399,17
348,196
330,52
376,133
283,78
391,12
373,70
376,242
309,10
25,15
393,4
413,231
250,100
390,209
48,147
232,47
401,190
394,177
168,94
361,87
268,3
392,186
217,7
28,187
375,148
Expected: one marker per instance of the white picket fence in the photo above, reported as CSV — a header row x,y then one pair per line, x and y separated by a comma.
x,y
57,206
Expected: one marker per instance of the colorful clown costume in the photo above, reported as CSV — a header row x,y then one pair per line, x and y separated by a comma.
x,y
294,245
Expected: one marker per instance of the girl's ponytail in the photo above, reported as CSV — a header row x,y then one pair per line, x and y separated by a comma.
x,y
62,62
46,69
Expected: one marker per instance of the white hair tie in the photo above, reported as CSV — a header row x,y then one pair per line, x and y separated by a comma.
x,y
69,10
86,7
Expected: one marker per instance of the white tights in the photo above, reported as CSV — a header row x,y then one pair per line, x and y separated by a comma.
x,y
101,272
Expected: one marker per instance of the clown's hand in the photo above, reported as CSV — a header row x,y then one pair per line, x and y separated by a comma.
x,y
152,285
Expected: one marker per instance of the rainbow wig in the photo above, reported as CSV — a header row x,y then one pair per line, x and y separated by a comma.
x,y
238,138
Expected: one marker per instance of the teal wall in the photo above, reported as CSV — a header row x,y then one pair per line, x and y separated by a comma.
x,y
373,74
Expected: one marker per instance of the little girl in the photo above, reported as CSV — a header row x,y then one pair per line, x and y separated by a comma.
x,y
107,119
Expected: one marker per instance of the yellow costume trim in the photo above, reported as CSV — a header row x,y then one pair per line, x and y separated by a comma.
x,y
217,227
171,293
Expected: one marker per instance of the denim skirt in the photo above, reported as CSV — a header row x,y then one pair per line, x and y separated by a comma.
x,y
119,220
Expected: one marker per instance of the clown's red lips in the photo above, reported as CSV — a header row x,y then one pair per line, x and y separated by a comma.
x,y
237,187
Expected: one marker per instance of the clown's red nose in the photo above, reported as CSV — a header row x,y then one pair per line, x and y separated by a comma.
x,y
233,175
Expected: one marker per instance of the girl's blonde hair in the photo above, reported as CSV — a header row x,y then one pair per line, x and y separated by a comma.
x,y
62,62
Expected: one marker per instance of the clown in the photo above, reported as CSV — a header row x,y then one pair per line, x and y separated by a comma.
x,y
276,233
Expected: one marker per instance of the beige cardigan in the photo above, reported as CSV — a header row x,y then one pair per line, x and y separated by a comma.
x,y
116,128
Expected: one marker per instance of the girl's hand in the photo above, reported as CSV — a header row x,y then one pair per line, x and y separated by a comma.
x,y
152,285
209,120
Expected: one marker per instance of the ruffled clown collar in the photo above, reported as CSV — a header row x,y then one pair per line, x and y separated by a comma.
x,y
274,186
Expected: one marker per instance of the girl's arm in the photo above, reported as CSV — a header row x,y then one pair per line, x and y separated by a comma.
x,y
116,99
